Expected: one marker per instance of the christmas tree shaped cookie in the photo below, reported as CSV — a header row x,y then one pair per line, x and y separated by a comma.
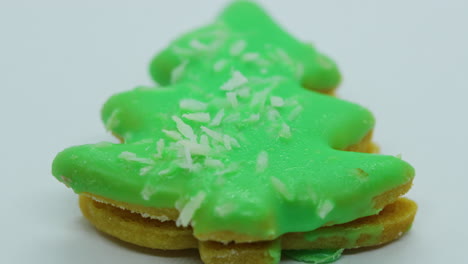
x,y
240,143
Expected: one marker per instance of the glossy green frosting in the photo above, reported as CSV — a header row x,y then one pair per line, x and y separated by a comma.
x,y
231,138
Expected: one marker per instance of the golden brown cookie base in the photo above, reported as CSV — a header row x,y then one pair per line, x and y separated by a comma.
x,y
394,220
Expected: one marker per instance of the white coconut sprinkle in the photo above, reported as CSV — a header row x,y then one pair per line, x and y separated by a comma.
x,y
262,161
234,142
231,168
160,145
145,170
184,129
198,117
192,105
172,134
276,101
213,163
112,122
218,118
251,56
232,99
189,209
238,47
252,118
164,172
188,158
237,80
213,134
295,113
204,140
285,131
195,148
225,209
178,71
220,65
232,118
283,56
325,208
281,188
299,70
130,156
243,92
227,142
197,45
273,114
259,98
148,191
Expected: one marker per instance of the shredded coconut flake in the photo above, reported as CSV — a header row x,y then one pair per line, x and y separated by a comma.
x,y
130,156
184,129
145,170
232,118
299,70
273,114
325,208
204,140
148,191
198,117
189,209
251,56
213,163
164,172
262,161
237,80
281,188
160,145
213,134
178,71
232,99
276,101
172,134
252,118
219,65
195,148
238,47
188,158
112,122
227,142
225,209
285,131
259,98
192,105
218,118
295,113
197,45
243,92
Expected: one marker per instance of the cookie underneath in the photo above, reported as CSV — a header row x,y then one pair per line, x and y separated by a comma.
x,y
393,221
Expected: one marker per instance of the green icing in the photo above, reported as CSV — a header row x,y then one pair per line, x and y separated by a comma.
x,y
318,256
274,251
233,140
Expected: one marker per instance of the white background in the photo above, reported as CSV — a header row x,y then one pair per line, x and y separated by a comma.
x,y
407,61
